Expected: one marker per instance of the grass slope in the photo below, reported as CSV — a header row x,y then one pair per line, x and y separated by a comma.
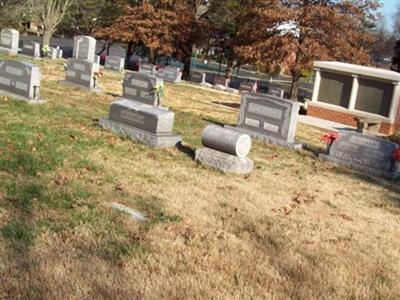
x,y
295,228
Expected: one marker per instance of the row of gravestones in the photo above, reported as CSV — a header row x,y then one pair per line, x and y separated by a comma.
x,y
139,115
168,73
9,43
223,84
84,48
272,120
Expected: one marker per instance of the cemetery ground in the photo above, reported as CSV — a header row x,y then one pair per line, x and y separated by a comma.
x,y
295,228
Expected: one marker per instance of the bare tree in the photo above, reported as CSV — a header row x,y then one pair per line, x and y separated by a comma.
x,y
49,14
396,23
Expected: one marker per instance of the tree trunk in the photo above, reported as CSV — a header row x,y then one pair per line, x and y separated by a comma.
x,y
152,58
294,87
129,51
47,34
108,48
187,64
229,69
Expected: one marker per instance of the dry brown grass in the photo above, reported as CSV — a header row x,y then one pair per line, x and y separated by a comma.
x,y
295,228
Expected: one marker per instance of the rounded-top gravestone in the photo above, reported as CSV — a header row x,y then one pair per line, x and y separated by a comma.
x,y
226,140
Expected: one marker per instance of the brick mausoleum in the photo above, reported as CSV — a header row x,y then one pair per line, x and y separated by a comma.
x,y
343,92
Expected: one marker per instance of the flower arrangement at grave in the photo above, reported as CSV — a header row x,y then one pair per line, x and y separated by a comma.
x,y
329,138
396,160
396,155
98,74
45,50
159,92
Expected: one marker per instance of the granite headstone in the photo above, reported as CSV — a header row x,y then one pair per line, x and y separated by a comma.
x,y
248,86
20,80
82,73
31,48
142,88
142,123
147,68
170,74
85,48
225,150
114,63
9,41
268,118
277,92
198,77
369,154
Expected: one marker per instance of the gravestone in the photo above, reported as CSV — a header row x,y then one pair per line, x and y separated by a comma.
x,y
55,53
9,40
269,119
81,73
85,48
114,63
20,80
59,53
221,83
170,74
142,88
277,92
368,154
225,150
147,68
30,48
248,86
52,53
198,77
142,123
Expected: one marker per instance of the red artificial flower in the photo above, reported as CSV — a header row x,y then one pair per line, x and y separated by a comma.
x,y
98,74
396,154
329,138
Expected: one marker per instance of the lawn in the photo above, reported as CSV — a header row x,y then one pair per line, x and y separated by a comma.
x,y
295,228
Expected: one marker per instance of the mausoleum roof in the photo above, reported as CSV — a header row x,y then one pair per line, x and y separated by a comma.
x,y
358,70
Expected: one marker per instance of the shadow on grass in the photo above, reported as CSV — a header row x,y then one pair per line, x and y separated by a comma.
x,y
113,94
315,150
227,104
215,122
188,151
20,231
